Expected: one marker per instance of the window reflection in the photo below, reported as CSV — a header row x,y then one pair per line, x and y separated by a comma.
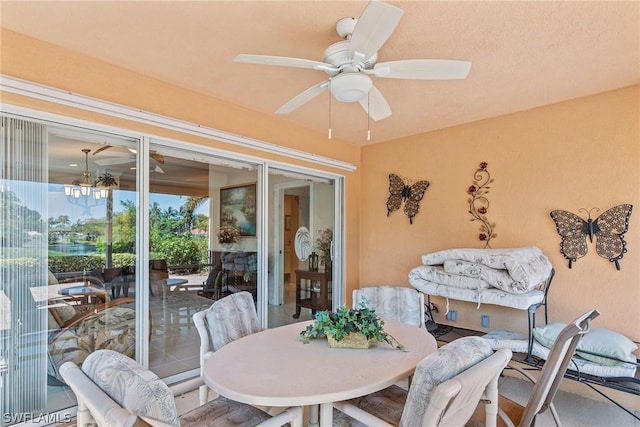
x,y
68,251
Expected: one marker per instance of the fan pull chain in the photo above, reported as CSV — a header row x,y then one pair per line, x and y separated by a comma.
x,y
329,108
368,116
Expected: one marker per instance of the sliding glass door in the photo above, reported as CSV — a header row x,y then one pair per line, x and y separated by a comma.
x,y
114,242
203,222
302,242
67,248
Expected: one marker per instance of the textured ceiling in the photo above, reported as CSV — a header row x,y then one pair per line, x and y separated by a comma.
x,y
525,54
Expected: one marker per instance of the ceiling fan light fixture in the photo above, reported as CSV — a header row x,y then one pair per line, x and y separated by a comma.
x,y
350,87
345,27
350,61
85,193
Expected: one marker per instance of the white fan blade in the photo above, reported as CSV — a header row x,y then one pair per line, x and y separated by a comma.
x,y
106,147
114,161
425,69
304,97
283,61
157,157
372,30
376,105
117,154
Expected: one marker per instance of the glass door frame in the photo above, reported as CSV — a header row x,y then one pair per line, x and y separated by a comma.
x,y
338,224
142,184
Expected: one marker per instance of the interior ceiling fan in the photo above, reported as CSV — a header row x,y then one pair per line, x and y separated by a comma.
x,y
120,158
351,62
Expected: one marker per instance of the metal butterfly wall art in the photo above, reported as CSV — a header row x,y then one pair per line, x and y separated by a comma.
x,y
401,189
609,229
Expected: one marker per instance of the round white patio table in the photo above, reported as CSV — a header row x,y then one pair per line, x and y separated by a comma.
x,y
274,368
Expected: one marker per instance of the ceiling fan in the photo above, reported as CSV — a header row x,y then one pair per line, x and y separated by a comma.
x,y
351,62
120,158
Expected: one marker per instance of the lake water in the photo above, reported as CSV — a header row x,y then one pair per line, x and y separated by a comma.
x,y
74,248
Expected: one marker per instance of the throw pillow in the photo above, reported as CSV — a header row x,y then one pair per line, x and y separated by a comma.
x,y
601,346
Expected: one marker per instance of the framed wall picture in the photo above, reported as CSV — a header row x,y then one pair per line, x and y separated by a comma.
x,y
238,208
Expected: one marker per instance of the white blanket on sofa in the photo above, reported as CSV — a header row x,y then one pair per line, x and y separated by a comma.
x,y
516,270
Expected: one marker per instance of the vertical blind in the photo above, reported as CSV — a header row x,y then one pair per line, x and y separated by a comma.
x,y
23,266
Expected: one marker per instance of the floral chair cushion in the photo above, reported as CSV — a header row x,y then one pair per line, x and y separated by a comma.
x,y
110,329
392,303
230,318
447,362
223,412
395,406
134,387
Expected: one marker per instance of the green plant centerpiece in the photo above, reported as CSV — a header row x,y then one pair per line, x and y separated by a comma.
x,y
346,325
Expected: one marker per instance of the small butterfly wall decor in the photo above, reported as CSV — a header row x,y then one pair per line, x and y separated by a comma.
x,y
608,229
402,190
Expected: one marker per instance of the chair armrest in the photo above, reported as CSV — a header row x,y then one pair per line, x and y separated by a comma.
x,y
77,319
360,415
206,356
100,406
187,287
522,372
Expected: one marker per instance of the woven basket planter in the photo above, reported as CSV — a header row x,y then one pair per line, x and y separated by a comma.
x,y
350,340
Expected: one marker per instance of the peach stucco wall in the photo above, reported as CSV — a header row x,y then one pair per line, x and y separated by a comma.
x,y
577,154
580,153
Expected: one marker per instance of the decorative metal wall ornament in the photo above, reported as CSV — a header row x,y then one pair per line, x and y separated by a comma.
x,y
479,204
401,189
609,229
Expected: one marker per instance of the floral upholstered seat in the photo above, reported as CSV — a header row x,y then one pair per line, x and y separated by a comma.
x,y
112,326
113,389
446,388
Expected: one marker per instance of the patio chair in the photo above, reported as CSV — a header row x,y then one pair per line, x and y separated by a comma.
x,y
393,303
114,280
228,319
447,386
212,287
158,275
545,388
110,325
71,301
114,390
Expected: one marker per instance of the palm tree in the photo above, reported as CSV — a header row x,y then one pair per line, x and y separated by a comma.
x,y
190,205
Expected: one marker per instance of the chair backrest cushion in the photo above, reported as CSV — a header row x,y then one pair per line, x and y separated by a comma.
x,y
455,400
133,386
440,366
230,318
392,303
110,329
